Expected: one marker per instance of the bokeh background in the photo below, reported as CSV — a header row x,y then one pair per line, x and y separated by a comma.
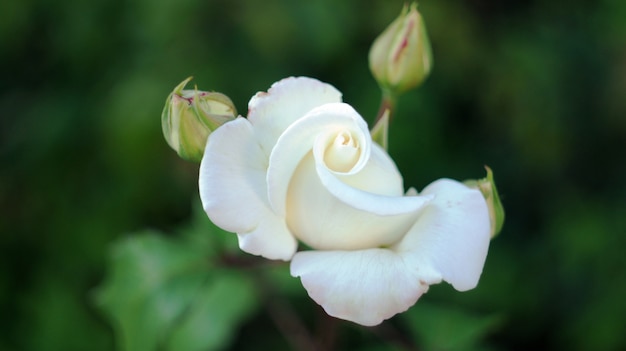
x,y
534,89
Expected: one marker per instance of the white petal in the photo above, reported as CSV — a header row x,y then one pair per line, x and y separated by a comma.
x,y
364,287
335,216
232,174
379,166
451,234
322,210
297,141
234,192
270,239
342,153
284,103
363,196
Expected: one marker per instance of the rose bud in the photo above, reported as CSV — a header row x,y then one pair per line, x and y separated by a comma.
x,y
190,116
401,58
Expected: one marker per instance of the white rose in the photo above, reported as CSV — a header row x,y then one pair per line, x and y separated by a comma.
x,y
303,167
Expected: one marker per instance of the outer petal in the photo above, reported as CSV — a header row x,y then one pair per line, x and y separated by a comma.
x,y
284,103
451,235
364,287
270,239
233,191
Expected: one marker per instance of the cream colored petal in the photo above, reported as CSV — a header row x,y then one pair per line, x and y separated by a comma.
x,y
234,192
451,235
270,239
379,166
359,191
284,103
332,215
358,206
365,286
323,122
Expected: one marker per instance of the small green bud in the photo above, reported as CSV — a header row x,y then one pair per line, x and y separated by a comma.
x,y
401,58
488,187
190,116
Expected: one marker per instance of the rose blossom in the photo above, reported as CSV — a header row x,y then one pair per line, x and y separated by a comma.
x,y
303,167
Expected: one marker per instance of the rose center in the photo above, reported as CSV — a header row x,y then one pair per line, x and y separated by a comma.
x,y
342,153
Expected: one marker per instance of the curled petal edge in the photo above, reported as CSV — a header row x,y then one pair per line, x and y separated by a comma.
x,y
299,138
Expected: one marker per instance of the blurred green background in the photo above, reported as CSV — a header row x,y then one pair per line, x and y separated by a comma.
x,y
534,89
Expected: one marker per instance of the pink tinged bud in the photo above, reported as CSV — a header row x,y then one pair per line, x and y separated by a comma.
x,y
401,58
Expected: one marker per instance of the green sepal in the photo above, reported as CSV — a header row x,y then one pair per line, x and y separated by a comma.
x,y
487,187
380,132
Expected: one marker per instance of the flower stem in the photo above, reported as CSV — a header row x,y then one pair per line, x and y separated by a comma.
x,y
380,130
387,332
387,103
281,312
327,331
290,326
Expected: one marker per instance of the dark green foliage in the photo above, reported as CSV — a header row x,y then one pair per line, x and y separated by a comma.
x,y
533,89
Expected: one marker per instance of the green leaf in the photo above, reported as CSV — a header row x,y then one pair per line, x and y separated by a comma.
x,y
448,329
157,287
219,307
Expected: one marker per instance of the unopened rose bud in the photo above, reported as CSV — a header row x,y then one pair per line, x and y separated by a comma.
x,y
401,58
190,116
487,186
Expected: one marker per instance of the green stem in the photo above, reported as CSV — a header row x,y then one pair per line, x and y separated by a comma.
x,y
388,102
380,130
327,331
283,315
